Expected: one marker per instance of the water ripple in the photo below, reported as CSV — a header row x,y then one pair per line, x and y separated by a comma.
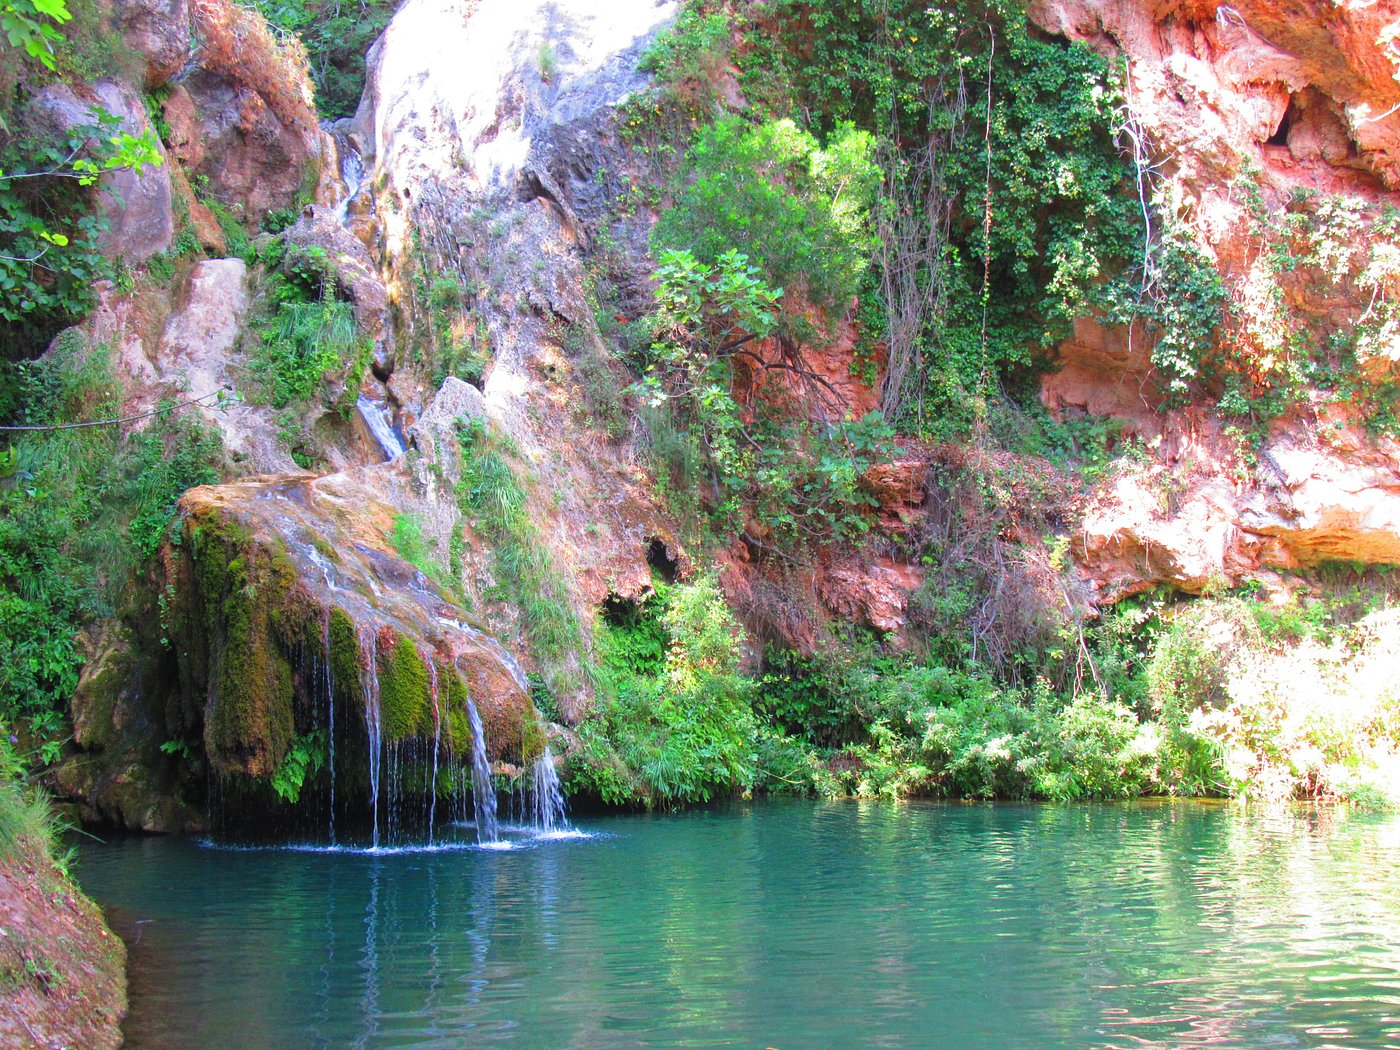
x,y
784,925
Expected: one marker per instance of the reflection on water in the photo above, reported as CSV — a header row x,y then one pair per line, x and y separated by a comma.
x,y
784,925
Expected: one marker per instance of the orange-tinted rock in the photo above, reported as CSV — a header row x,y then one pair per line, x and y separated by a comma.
x,y
1104,372
1323,490
833,391
874,593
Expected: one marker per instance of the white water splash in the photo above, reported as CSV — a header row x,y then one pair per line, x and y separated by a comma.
x,y
377,419
547,805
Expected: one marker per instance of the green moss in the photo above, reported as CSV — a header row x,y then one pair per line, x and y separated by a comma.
x,y
251,721
532,737
238,613
345,653
456,727
404,700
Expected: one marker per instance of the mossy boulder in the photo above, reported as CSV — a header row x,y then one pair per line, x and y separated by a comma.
x,y
405,699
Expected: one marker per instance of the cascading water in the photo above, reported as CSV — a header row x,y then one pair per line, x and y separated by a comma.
x,y
483,791
352,173
547,806
369,681
437,741
377,418
330,711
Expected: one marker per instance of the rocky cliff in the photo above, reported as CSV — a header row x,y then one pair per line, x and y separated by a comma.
x,y
484,217
1243,114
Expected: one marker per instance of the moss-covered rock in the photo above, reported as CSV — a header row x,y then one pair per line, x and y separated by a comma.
x,y
405,702
238,612
344,653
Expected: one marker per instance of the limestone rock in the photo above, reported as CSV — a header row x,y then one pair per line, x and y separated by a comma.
x,y
196,354
435,432
137,205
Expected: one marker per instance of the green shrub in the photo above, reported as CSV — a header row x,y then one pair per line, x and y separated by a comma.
x,y
798,211
80,509
414,548
677,712
302,344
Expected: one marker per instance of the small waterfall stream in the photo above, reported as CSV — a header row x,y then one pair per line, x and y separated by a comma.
x,y
437,743
330,712
352,173
381,425
370,683
483,790
547,806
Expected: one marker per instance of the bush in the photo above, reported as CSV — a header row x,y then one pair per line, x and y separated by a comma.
x,y
798,211
676,711
80,509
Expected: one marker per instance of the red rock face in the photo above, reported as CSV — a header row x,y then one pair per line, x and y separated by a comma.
x,y
836,389
1328,492
242,116
1287,97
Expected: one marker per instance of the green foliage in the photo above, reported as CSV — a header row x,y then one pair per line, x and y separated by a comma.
x,y
302,345
1185,313
51,258
800,480
308,336
1024,211
677,710
491,497
337,38
413,547
547,61
1275,352
158,464
31,25
404,691
306,756
798,211
806,696
79,511
27,820
689,58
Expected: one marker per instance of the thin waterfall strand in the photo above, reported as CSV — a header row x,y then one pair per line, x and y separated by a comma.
x,y
369,681
437,742
483,791
547,806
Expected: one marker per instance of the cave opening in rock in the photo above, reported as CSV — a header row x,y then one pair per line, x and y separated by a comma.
x,y
1285,124
663,563
618,611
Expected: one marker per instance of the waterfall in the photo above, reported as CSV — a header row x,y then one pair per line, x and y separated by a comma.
x,y
369,681
547,795
381,426
330,712
352,173
483,791
437,741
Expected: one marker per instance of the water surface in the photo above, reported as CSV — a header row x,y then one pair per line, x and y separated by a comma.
x,y
787,925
